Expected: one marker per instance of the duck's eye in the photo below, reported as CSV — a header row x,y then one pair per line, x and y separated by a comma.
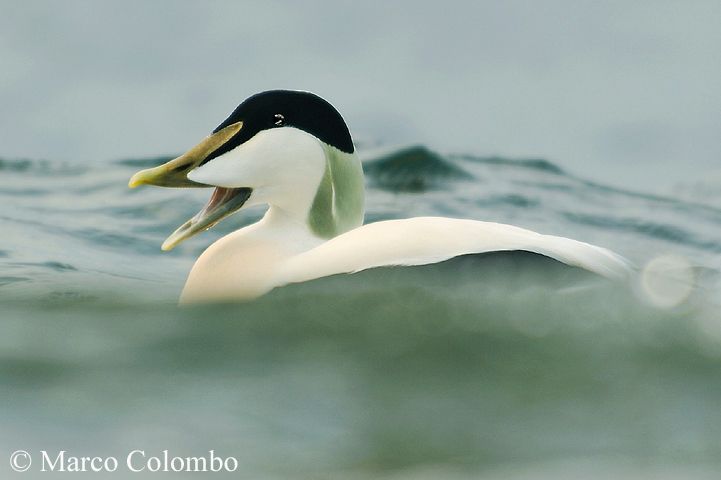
x,y
278,119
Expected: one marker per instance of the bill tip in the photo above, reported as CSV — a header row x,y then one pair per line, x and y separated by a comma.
x,y
136,180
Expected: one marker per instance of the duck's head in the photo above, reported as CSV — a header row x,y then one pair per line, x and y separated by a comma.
x,y
289,149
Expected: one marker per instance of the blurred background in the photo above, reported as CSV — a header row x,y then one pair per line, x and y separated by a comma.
x,y
626,93
592,120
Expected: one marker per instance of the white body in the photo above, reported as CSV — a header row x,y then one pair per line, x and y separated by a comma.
x,y
252,261
313,226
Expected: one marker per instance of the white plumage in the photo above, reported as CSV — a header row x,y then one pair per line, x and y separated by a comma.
x,y
292,151
424,240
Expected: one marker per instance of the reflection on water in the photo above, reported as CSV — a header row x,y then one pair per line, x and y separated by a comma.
x,y
504,375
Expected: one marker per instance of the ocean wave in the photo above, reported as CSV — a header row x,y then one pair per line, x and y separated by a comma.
x,y
538,164
412,169
672,233
40,167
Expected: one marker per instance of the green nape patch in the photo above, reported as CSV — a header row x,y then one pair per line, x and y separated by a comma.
x,y
338,203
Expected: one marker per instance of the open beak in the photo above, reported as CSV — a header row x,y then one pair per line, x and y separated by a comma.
x,y
223,201
175,172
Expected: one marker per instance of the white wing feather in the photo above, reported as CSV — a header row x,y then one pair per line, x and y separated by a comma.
x,y
425,240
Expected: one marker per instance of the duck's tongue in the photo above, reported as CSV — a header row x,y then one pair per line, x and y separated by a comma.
x,y
222,203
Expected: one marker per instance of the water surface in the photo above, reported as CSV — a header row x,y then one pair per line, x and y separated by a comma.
x,y
509,377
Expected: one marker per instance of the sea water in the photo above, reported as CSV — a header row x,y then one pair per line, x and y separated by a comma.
x,y
506,377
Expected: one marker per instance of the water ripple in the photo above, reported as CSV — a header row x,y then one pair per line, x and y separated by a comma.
x,y
669,233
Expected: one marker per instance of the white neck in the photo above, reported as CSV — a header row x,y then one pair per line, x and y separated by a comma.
x,y
288,227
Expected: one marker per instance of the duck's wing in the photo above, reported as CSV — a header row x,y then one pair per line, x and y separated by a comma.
x,y
427,240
